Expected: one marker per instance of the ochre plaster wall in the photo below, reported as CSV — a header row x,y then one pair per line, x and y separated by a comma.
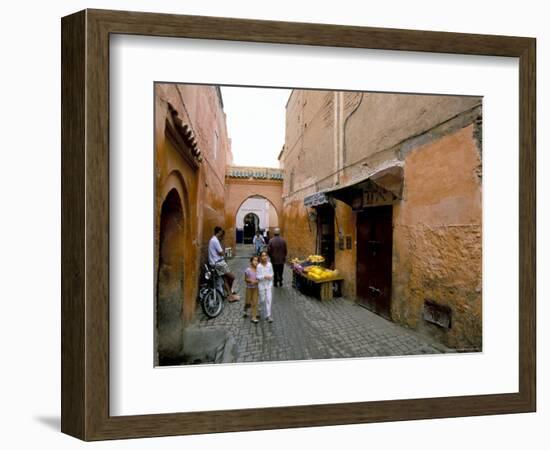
x,y
437,246
437,223
201,189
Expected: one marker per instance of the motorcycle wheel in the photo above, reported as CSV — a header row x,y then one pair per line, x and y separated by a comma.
x,y
212,303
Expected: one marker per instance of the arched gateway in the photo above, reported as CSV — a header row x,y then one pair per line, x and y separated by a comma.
x,y
243,183
170,279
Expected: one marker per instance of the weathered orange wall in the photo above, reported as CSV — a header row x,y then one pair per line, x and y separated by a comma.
x,y
309,143
383,121
346,260
437,252
202,190
437,224
175,175
300,230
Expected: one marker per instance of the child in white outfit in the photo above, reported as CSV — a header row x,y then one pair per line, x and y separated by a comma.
x,y
264,275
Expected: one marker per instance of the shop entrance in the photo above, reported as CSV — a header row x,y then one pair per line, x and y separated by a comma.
x,y
325,233
374,259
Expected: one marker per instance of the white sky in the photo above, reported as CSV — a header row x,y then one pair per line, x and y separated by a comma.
x,y
255,123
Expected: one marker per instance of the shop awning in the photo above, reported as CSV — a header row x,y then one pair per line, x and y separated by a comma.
x,y
380,187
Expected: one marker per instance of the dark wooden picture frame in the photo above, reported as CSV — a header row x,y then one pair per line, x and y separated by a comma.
x,y
85,224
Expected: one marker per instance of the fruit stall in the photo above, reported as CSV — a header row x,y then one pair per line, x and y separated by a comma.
x,y
311,278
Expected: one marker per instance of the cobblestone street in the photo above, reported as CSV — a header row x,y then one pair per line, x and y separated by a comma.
x,y
305,328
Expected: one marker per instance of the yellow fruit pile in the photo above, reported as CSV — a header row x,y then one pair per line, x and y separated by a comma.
x,y
317,273
315,258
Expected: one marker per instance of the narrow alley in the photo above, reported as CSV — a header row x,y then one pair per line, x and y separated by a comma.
x,y
305,328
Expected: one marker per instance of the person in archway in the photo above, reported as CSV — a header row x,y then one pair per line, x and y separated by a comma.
x,y
277,252
216,259
259,242
264,275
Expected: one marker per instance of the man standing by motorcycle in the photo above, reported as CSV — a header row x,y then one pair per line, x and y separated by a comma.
x,y
217,261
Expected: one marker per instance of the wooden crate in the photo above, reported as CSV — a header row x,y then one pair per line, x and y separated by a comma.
x,y
322,289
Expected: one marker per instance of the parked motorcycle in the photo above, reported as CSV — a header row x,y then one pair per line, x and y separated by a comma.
x,y
211,292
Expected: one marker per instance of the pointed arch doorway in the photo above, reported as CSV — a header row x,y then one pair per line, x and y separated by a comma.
x,y
170,280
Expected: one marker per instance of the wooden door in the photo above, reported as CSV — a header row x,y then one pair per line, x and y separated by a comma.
x,y
374,259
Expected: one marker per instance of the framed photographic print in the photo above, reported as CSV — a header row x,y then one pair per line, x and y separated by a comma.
x,y
273,225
